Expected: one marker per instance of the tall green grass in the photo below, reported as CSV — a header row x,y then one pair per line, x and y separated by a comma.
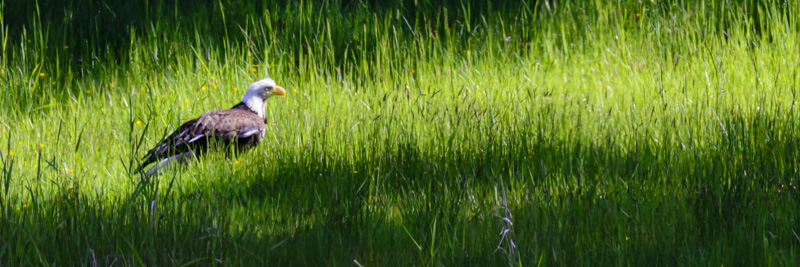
x,y
412,134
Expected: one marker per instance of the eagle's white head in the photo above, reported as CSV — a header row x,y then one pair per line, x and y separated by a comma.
x,y
258,92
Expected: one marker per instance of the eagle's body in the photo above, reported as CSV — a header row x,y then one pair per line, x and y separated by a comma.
x,y
242,126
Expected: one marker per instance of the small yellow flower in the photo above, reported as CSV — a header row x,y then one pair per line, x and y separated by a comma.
x,y
214,86
25,206
218,100
20,142
236,162
29,40
254,70
10,153
17,208
779,99
212,78
627,238
41,74
638,15
138,122
186,100
354,172
235,89
413,71
41,145
472,214
66,47
71,171
294,90
203,87
88,92
111,85
337,69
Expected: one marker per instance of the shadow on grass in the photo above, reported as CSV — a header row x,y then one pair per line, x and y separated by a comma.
x,y
733,200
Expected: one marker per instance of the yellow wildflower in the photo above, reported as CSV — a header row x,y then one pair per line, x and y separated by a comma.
x,y
10,153
214,86
413,71
41,74
71,171
627,238
203,87
236,162
294,90
88,92
138,122
254,70
354,172
41,145
235,89
66,47
186,100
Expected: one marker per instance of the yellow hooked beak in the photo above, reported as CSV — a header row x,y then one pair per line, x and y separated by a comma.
x,y
279,91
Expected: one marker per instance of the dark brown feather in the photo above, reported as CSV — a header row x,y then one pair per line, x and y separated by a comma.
x,y
238,125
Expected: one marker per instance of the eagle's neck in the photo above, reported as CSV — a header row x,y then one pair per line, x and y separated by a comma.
x,y
255,104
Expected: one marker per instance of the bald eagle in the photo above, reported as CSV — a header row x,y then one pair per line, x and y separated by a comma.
x,y
242,126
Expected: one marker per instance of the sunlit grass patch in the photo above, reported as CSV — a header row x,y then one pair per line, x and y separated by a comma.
x,y
420,134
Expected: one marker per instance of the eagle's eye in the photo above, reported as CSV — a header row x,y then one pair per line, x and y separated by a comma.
x,y
268,88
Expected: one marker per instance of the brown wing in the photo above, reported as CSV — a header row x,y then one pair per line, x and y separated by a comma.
x,y
224,126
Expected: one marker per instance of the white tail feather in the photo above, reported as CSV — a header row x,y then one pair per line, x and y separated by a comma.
x,y
169,163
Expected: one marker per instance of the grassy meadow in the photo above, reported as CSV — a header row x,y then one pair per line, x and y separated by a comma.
x,y
532,133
